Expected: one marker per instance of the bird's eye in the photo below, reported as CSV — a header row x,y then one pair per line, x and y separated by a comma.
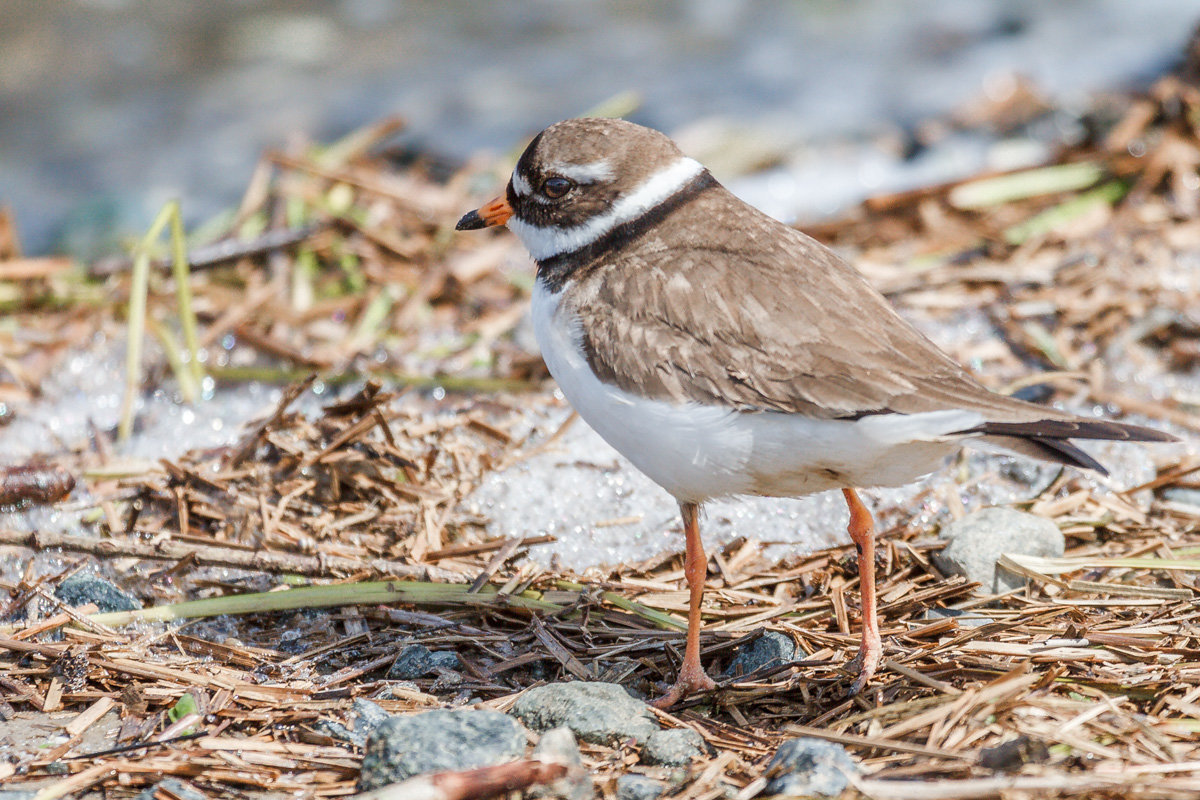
x,y
556,186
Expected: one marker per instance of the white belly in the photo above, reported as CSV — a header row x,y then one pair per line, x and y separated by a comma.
x,y
698,452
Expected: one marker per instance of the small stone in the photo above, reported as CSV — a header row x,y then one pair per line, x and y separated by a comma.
x,y
558,746
966,619
637,787
336,730
1014,754
769,650
1182,494
368,715
810,768
978,540
600,713
84,587
172,787
401,747
417,661
675,747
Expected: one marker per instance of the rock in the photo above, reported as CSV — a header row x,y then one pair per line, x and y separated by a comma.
x,y
979,539
19,794
172,787
417,661
84,587
401,747
637,787
769,650
368,715
1182,494
600,713
558,745
966,619
810,767
675,747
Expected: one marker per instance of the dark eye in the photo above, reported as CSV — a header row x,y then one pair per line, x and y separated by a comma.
x,y
556,186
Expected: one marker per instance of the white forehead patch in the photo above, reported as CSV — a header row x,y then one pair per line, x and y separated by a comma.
x,y
543,243
520,185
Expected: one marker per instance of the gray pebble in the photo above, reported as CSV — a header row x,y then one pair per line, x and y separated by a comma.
x,y
675,747
170,786
401,747
335,729
1182,494
368,715
84,587
637,787
810,767
417,661
600,713
558,745
769,650
979,539
966,619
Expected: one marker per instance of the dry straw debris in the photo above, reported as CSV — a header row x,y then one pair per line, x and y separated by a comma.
x,y
1086,683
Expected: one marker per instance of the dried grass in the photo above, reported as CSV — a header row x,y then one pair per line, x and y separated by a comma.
x,y
1087,683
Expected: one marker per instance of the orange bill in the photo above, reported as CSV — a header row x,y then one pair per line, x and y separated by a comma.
x,y
493,213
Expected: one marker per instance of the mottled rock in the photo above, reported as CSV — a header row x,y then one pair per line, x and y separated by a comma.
x,y
673,748
979,539
601,713
810,768
84,587
1182,494
638,787
401,747
417,661
367,717
966,619
558,746
769,650
169,786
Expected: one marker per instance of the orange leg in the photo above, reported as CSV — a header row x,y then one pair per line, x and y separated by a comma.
x,y
692,676
862,532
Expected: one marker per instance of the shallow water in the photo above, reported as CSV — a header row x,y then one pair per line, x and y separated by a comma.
x,y
110,107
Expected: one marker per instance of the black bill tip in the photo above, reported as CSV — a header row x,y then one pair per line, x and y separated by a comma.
x,y
471,221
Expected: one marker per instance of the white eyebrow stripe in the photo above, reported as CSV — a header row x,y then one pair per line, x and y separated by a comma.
x,y
520,185
543,243
587,173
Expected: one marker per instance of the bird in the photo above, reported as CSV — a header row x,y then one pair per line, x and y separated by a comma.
x,y
724,353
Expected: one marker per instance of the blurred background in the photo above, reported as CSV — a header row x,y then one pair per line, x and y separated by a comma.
x,y
110,107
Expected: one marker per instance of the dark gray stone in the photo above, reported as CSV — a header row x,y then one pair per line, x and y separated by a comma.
x,y
810,768
769,650
172,786
638,787
401,747
966,619
84,587
558,746
979,539
600,713
417,661
675,747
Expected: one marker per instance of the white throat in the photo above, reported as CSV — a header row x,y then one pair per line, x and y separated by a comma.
x,y
543,243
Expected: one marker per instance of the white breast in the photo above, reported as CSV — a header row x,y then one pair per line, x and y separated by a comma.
x,y
698,452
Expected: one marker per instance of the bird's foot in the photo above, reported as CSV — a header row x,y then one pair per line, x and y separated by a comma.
x,y
692,678
866,662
